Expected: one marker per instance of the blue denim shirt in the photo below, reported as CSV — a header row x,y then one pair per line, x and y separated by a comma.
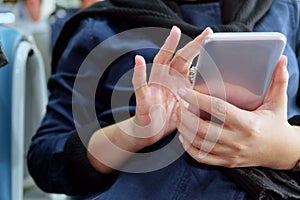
x,y
182,179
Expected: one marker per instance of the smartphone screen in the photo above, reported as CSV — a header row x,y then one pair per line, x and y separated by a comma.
x,y
238,67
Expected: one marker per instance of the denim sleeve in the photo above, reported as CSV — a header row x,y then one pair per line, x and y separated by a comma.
x,y
298,46
57,158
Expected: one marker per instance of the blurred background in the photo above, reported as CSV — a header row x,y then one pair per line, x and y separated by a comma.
x,y
39,18
28,30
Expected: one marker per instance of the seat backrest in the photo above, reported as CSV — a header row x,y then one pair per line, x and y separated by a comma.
x,y
22,105
10,39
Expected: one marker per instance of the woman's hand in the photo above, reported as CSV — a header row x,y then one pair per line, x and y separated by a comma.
x,y
156,99
258,138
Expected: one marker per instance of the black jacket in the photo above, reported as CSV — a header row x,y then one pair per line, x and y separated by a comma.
x,y
259,183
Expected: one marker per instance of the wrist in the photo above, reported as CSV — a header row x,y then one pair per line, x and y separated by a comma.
x,y
111,146
137,136
286,151
289,157
126,136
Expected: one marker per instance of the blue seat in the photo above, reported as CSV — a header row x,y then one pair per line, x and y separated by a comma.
x,y
10,39
23,99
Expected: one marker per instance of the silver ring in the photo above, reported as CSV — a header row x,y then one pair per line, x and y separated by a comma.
x,y
192,73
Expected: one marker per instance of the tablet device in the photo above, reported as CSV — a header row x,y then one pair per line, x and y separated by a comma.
x,y
238,67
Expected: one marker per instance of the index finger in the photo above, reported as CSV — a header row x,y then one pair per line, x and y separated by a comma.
x,y
184,57
166,52
222,110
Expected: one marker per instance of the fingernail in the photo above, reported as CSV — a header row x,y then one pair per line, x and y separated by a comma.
x,y
202,155
137,57
139,60
181,92
180,138
175,28
208,29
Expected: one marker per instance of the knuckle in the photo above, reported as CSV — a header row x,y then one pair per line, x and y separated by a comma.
x,y
206,147
233,163
161,59
178,52
228,165
179,55
156,59
197,142
239,148
254,128
203,129
219,108
283,80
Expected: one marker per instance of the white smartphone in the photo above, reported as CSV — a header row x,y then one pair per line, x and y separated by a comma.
x,y
238,67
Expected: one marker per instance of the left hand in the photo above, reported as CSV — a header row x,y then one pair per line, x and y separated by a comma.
x,y
156,99
261,137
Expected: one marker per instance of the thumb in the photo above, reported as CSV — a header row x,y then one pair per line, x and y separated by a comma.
x,y
276,93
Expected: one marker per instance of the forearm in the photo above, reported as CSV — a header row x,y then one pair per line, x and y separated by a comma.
x,y
110,147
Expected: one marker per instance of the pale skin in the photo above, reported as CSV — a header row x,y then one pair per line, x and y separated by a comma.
x,y
87,3
256,138
149,97
262,137
34,8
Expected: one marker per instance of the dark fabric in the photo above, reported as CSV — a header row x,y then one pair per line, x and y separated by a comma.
x,y
264,183
295,120
298,97
75,151
240,17
259,183
234,5
3,58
